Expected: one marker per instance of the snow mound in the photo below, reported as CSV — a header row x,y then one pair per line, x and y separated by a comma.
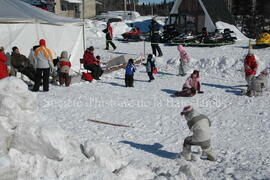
x,y
222,25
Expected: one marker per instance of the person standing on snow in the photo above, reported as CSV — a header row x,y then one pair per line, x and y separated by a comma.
x,y
109,35
65,65
199,125
150,66
250,65
3,66
130,70
184,60
44,62
155,37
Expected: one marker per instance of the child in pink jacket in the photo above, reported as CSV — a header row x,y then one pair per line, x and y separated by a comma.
x,y
191,86
184,60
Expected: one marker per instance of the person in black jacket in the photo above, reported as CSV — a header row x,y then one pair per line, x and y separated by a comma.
x,y
155,37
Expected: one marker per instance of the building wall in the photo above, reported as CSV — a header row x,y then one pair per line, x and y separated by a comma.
x,y
89,9
75,10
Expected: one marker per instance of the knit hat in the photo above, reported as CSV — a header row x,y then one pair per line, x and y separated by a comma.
x,y
42,42
14,48
186,110
2,48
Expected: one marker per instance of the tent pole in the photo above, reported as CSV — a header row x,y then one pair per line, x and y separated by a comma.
x,y
83,25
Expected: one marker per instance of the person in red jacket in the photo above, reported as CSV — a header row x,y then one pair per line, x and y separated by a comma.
x,y
3,66
109,35
91,63
250,66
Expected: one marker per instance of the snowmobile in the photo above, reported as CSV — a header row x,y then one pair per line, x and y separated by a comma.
x,y
263,40
216,38
135,35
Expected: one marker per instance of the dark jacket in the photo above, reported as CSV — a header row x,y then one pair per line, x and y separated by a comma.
x,y
154,31
19,61
150,64
109,32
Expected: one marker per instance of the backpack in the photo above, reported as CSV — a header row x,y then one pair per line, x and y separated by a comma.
x,y
87,76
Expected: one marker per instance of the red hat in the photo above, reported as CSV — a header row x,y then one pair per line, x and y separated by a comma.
x,y
42,42
186,110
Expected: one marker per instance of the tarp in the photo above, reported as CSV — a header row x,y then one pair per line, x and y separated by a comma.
x,y
58,38
16,11
23,25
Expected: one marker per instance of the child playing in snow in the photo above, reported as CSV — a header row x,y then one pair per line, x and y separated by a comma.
x,y
184,60
191,86
257,85
250,65
150,66
65,65
199,125
130,69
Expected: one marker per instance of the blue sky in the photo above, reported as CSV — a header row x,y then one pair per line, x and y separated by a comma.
x,y
153,1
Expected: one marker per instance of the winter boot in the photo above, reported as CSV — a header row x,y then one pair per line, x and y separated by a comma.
x,y
186,154
209,154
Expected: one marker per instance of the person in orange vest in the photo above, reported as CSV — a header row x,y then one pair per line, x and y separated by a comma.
x,y
109,35
43,58
250,65
3,66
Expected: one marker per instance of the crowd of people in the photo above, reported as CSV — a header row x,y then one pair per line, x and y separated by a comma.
x,y
40,65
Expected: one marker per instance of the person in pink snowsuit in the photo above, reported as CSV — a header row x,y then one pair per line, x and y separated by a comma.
x,y
184,60
191,86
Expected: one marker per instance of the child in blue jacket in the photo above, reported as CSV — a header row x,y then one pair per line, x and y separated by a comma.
x,y
130,69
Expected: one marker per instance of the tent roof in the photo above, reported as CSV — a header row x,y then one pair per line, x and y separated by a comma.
x,y
217,11
215,8
16,11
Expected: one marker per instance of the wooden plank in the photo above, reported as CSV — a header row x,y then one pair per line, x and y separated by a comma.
x,y
107,123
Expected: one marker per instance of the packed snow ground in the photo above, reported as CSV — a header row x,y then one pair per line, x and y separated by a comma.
x,y
240,125
240,128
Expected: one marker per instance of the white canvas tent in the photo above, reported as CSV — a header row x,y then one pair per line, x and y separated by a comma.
x,y
23,25
204,13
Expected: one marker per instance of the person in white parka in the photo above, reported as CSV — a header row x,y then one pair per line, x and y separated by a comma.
x,y
199,125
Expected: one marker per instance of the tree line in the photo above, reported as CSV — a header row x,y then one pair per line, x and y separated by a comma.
x,y
162,9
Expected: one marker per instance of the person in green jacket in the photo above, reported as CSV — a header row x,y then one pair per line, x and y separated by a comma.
x,y
22,63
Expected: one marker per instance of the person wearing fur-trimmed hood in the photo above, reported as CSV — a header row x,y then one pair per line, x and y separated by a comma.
x,y
184,60
199,125
65,65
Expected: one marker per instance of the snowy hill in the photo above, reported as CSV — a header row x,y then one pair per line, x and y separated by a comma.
x,y
149,150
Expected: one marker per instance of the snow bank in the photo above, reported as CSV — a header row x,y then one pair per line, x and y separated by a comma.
x,y
32,147
222,25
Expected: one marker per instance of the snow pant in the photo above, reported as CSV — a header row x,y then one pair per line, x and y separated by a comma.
x,y
129,80
206,148
64,78
96,70
109,42
150,75
186,92
249,79
155,48
182,68
43,73
29,72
